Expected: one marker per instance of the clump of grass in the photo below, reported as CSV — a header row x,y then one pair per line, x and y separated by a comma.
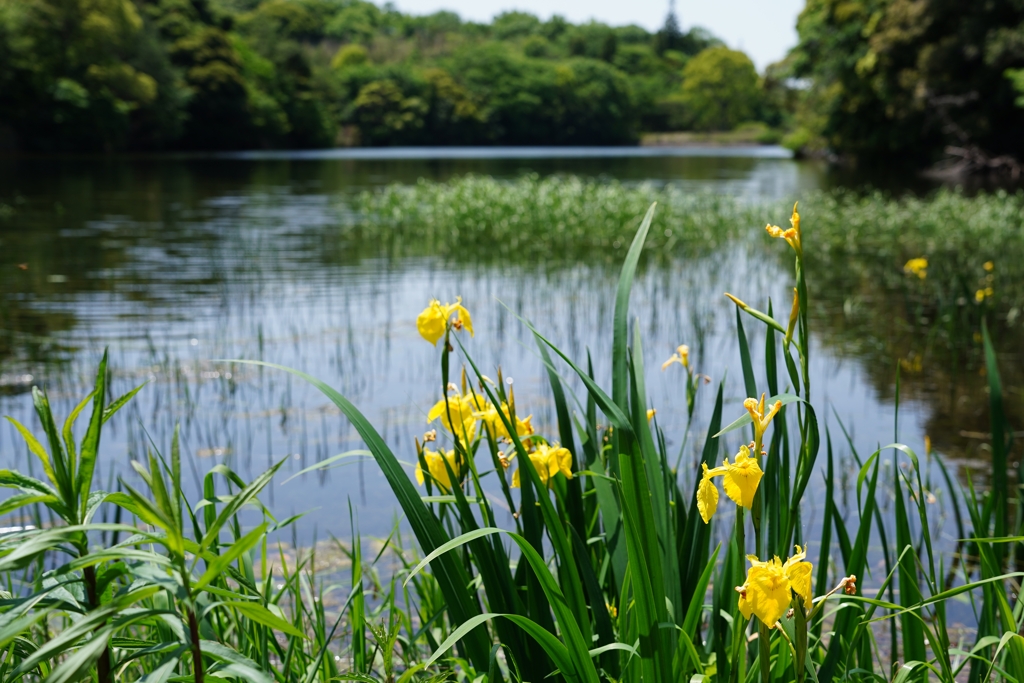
x,y
533,216
971,245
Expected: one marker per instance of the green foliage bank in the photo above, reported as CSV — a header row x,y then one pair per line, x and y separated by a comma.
x,y
103,75
913,79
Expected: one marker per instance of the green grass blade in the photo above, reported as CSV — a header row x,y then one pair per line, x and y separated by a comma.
x,y
91,441
620,332
748,367
261,615
551,645
999,434
220,564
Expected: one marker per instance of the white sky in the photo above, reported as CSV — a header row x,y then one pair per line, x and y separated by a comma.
x,y
764,29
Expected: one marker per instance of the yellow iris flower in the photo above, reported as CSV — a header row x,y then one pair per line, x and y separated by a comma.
x,y
681,356
760,417
435,466
741,479
433,322
548,461
489,414
463,414
917,266
792,235
769,588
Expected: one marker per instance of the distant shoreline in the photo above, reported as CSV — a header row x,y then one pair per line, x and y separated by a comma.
x,y
758,136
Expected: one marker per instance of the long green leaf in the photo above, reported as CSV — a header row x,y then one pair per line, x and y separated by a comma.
x,y
262,615
620,323
220,564
91,441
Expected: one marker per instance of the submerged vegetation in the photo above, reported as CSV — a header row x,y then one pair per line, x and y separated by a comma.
x,y
620,563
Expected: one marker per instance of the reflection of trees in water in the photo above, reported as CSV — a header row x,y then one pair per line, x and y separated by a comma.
x,y
884,321
148,232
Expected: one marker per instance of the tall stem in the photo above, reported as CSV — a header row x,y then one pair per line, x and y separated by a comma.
x,y
197,651
193,626
764,651
739,668
91,591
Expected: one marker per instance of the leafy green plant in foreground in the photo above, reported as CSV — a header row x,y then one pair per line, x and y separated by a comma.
x,y
608,571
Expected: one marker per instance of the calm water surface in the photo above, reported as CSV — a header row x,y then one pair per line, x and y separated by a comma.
x,y
174,263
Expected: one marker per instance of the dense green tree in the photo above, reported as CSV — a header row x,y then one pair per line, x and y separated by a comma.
x,y
910,80
534,101
515,25
71,72
720,89
225,74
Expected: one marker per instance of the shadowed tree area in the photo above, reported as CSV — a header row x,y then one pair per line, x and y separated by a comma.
x,y
918,80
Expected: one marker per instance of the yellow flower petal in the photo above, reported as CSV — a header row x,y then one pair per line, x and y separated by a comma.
x,y
460,411
917,266
681,356
767,592
546,464
760,418
563,458
431,322
798,572
436,468
707,496
463,318
742,478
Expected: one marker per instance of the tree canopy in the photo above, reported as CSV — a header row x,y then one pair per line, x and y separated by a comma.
x,y
215,74
912,79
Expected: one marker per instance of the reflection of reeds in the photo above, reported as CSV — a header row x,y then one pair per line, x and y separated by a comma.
x,y
929,322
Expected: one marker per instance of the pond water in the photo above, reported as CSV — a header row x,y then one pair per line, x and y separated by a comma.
x,y
173,263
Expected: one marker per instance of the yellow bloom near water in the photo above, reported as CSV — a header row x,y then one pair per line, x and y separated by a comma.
x,y
436,468
917,266
681,356
458,414
761,418
433,321
740,479
791,235
770,586
490,416
548,461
